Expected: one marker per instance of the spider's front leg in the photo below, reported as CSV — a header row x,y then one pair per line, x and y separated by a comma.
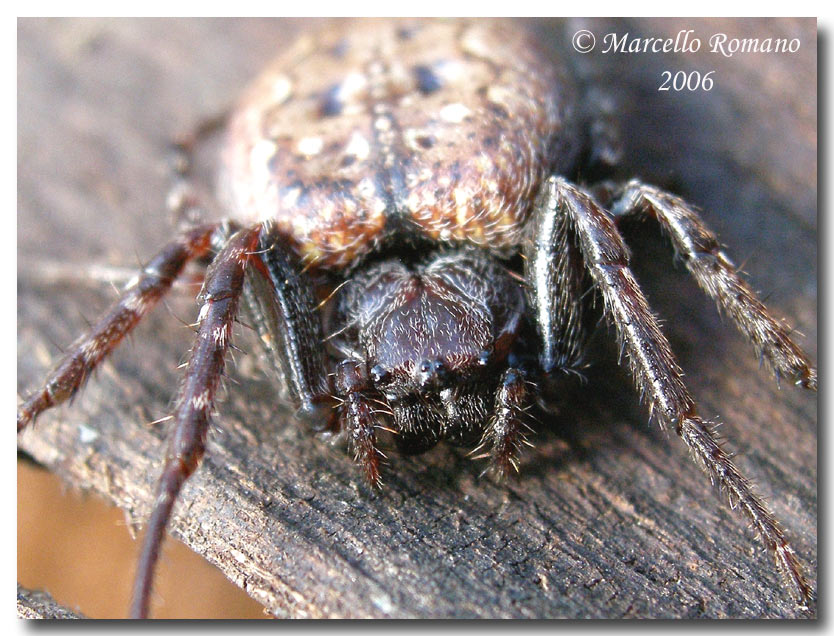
x,y
141,295
256,265
557,286
505,433
282,308
718,277
653,366
195,400
359,418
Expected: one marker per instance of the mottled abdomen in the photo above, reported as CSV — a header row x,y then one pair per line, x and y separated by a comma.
x,y
445,128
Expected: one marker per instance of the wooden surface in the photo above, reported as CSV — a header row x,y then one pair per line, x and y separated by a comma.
x,y
609,517
33,604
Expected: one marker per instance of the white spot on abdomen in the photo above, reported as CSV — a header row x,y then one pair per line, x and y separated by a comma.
x,y
454,113
358,146
310,146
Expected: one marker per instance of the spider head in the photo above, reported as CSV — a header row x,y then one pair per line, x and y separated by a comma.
x,y
432,333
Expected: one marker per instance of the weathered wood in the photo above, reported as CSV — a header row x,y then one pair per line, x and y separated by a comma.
x,y
41,605
609,516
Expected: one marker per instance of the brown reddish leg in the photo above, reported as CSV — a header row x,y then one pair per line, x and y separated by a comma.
x,y
719,278
505,433
655,371
90,349
359,419
220,296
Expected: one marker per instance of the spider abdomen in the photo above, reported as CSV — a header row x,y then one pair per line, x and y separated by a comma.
x,y
444,128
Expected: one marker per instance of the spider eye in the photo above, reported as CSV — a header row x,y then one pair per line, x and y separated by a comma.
x,y
379,374
432,373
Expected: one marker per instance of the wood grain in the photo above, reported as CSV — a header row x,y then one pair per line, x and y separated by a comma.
x,y
609,517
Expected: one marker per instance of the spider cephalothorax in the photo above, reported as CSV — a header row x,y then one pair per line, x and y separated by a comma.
x,y
434,337
420,170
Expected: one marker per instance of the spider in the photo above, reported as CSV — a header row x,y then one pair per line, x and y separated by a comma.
x,y
421,347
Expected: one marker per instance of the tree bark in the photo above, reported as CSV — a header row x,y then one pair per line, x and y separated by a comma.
x,y
609,517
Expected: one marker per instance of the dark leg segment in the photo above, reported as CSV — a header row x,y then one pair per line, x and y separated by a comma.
x,y
655,370
557,282
140,297
719,278
359,419
220,296
506,431
282,308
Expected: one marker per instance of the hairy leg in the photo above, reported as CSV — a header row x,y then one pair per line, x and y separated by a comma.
x,y
359,418
656,373
139,298
718,277
505,433
220,296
